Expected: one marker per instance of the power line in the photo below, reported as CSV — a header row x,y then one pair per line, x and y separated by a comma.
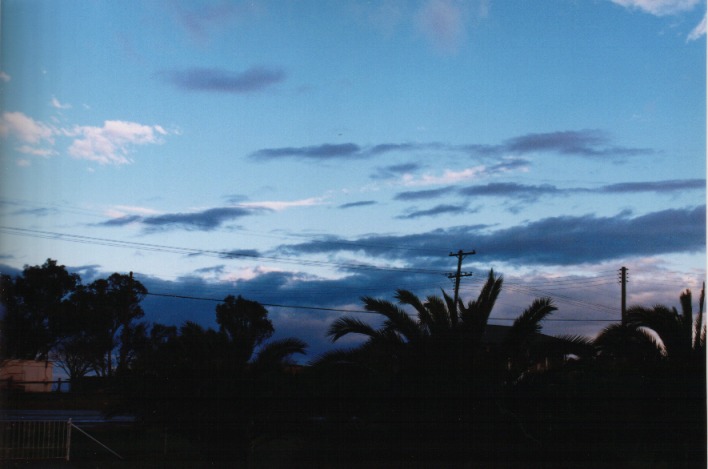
x,y
206,252
342,310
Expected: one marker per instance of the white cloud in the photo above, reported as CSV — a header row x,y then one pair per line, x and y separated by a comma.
x,y
120,211
4,76
278,205
698,31
659,7
111,143
24,128
29,150
448,177
58,105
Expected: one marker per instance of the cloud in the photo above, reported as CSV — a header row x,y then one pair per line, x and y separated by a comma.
x,y
564,240
205,220
4,77
58,105
241,253
659,7
25,128
699,31
279,205
585,143
319,152
224,81
589,239
449,176
362,203
531,193
672,185
29,150
395,171
510,189
571,142
111,143
441,209
424,194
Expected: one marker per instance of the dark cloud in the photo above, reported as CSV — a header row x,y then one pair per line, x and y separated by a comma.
x,y
562,240
396,170
319,152
672,185
570,142
575,240
441,209
587,143
510,190
407,147
363,203
240,253
217,269
122,221
224,81
425,194
205,220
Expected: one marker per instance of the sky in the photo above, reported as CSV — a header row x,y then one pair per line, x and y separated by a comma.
x,y
304,154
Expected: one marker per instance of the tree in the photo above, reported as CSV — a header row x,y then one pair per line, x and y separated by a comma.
x,y
680,340
246,324
102,317
444,336
35,305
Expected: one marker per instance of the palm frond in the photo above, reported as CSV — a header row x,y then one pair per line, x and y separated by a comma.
x,y
628,341
699,320
406,297
451,307
477,312
572,344
347,325
666,323
397,320
529,323
276,352
439,313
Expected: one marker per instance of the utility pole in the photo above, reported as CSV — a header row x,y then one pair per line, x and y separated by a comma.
x,y
623,282
460,255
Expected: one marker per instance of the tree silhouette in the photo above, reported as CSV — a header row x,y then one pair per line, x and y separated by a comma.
x,y
101,319
35,304
679,339
246,324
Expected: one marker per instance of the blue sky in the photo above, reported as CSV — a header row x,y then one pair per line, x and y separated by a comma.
x,y
308,153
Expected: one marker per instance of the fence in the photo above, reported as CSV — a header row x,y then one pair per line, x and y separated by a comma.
x,y
46,439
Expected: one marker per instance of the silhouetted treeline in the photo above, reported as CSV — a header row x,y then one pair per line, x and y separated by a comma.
x,y
439,386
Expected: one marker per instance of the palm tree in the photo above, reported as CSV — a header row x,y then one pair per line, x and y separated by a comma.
x,y
444,337
678,338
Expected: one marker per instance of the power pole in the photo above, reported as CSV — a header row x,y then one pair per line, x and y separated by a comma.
x,y
460,255
623,282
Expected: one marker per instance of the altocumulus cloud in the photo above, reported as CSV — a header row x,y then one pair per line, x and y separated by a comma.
x,y
110,143
205,220
224,81
583,143
564,240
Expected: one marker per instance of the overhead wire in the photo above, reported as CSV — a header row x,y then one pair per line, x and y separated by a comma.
x,y
342,310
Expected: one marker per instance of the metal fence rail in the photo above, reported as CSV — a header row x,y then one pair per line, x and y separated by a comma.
x,y
43,439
